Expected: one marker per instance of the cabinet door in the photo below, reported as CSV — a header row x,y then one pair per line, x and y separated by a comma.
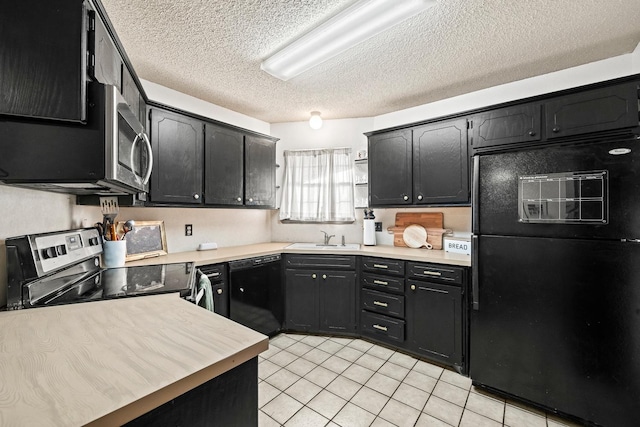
x,y
440,163
259,171
337,301
592,111
301,306
224,166
516,124
177,143
390,176
434,321
43,59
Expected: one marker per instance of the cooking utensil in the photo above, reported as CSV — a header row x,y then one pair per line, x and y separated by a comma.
x,y
110,209
128,226
415,236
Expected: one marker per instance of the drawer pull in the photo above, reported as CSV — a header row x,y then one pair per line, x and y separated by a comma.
x,y
380,266
381,304
380,282
381,328
436,290
432,273
213,274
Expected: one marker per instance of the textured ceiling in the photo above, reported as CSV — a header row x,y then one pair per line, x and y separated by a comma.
x,y
212,50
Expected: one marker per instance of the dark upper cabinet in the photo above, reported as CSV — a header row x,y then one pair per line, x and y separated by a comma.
x,y
593,110
43,59
390,168
224,166
259,171
434,321
440,163
511,125
177,143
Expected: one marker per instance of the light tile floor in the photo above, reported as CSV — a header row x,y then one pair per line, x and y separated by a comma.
x,y
308,380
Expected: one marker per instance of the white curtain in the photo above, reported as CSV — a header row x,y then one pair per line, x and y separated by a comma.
x,y
318,186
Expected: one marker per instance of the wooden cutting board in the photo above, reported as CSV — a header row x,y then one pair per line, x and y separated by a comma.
x,y
433,220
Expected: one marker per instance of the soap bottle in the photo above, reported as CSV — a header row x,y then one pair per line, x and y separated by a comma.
x,y
369,237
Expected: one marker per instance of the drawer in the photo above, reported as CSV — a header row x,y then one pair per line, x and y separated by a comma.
x,y
383,283
380,302
383,265
381,327
326,261
435,272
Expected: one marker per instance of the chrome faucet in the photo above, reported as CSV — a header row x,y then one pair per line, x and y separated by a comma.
x,y
327,237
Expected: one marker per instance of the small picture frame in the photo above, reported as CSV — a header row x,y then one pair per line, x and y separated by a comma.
x,y
146,240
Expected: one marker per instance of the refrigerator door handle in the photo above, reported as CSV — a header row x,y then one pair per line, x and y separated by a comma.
x,y
475,267
475,195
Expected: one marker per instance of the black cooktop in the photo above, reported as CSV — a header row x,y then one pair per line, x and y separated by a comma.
x,y
111,283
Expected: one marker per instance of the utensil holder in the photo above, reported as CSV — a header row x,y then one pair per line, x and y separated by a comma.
x,y
114,253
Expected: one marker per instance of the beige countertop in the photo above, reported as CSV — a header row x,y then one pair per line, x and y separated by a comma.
x,y
107,362
258,249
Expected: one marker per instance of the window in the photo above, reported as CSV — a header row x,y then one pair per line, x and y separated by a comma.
x,y
318,186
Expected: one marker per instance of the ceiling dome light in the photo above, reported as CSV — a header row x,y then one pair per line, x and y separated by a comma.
x,y
315,121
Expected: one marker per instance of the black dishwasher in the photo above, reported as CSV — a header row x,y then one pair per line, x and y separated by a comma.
x,y
256,299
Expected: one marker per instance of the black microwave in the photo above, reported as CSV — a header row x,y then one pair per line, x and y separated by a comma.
x,y
110,154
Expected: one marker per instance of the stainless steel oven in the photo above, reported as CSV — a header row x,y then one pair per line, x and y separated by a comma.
x,y
64,267
110,154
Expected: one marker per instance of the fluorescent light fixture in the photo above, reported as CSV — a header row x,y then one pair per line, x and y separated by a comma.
x,y
315,121
359,22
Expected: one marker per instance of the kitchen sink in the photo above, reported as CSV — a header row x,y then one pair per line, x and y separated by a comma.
x,y
320,246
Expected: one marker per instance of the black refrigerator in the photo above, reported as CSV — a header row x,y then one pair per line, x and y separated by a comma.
x,y
555,315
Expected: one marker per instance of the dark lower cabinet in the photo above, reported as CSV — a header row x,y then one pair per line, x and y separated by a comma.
x,y
321,299
434,321
230,399
301,306
177,142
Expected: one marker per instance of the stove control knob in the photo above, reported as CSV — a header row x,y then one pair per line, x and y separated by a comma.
x,y
49,253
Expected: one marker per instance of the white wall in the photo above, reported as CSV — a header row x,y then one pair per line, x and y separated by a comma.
x,y
333,134
164,95
594,72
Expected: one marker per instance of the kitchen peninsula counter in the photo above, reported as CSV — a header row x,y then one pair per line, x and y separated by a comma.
x,y
105,363
259,249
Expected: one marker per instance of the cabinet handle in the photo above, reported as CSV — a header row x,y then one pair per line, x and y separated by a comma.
x,y
219,291
382,328
313,276
380,266
432,273
405,197
239,199
241,289
250,199
213,274
196,196
420,197
556,129
413,287
436,290
381,304
324,276
380,282
532,133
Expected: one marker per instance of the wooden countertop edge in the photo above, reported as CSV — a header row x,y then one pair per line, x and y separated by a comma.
x,y
233,253
140,407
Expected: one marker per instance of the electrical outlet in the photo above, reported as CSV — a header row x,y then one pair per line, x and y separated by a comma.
x,y
378,226
188,229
